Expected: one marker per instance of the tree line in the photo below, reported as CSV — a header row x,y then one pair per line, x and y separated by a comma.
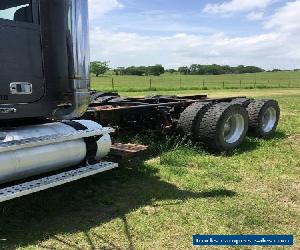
x,y
214,69
155,70
100,68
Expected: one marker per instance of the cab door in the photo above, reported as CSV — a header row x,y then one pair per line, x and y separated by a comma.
x,y
21,68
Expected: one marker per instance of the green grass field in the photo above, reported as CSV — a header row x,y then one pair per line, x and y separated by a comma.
x,y
195,82
178,190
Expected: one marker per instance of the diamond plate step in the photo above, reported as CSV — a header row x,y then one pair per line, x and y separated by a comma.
x,y
46,140
44,183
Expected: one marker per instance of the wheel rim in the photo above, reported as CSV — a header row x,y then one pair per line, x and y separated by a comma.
x,y
269,119
233,128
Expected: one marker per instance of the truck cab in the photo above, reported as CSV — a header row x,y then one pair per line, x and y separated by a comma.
x,y
44,57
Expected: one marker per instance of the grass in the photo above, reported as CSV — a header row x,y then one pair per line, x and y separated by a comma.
x,y
178,190
218,93
168,82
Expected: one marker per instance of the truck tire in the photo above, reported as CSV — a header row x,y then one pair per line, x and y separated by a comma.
x,y
224,127
190,116
242,101
263,117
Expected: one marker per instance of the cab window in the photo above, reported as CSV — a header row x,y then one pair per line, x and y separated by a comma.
x,y
16,10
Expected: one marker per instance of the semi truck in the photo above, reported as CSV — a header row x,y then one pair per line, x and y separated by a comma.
x,y
55,129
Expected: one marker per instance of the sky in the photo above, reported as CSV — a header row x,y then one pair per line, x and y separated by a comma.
x,y
174,33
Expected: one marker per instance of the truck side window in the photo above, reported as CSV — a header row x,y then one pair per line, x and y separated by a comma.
x,y
16,10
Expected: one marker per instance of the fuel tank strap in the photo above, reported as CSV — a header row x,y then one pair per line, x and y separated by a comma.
x,y
76,125
91,142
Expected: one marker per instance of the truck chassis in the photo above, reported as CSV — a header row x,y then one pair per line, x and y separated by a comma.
x,y
151,112
203,119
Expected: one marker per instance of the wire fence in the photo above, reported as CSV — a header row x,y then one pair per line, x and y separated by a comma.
x,y
134,84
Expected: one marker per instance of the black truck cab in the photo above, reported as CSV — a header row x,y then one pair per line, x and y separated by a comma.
x,y
44,58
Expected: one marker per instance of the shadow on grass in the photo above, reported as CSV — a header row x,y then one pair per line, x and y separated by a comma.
x,y
88,203
279,135
251,143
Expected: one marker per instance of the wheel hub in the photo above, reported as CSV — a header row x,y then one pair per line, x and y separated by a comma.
x,y
269,119
233,128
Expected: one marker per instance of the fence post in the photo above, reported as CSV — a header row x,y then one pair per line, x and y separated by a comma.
x,y
240,84
223,84
180,83
255,84
150,82
112,83
203,84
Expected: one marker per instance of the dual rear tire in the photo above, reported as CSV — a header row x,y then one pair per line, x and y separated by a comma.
x,y
264,116
224,126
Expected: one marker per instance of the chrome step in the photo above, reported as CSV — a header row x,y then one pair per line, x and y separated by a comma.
x,y
46,140
44,183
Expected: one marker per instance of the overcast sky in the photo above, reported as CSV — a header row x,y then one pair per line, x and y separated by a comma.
x,y
264,33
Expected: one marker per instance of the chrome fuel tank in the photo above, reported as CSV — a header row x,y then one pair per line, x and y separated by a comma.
x,y
27,162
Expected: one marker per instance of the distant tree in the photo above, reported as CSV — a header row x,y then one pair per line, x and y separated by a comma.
x,y
253,69
116,72
99,68
136,71
194,69
241,69
156,70
214,69
184,70
119,71
171,71
143,70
